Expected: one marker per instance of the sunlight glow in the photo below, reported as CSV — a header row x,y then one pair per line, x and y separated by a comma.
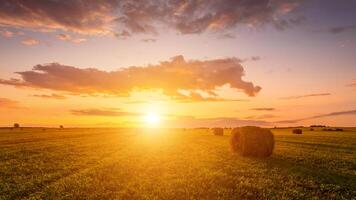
x,y
152,118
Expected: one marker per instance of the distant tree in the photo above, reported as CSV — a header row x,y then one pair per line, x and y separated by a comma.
x,y
297,131
61,127
16,125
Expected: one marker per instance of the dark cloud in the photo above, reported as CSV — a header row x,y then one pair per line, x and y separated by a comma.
x,y
142,16
111,112
50,96
169,77
122,35
263,109
9,103
341,29
305,96
255,58
87,17
332,114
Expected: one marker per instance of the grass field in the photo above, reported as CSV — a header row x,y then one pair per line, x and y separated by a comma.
x,y
172,164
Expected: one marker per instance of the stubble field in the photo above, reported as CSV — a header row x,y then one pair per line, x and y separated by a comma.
x,y
172,164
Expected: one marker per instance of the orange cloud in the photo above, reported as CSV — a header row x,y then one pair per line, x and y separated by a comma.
x,y
6,33
66,37
30,42
169,77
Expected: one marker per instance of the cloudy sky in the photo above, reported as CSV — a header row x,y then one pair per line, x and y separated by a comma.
x,y
193,62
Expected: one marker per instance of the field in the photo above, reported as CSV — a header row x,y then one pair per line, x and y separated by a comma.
x,y
172,164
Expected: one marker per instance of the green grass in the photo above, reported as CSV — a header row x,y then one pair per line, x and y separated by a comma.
x,y
172,164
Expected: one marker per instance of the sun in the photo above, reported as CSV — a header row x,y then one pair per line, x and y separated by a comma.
x,y
152,118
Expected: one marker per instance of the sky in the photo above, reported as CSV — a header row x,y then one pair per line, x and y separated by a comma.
x,y
192,63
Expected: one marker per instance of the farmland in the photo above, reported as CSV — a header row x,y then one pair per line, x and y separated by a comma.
x,y
173,164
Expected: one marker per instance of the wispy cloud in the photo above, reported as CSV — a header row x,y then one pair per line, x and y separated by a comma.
x,y
50,96
341,29
30,42
258,117
67,37
348,112
263,109
9,34
109,112
169,77
305,96
149,40
189,121
9,103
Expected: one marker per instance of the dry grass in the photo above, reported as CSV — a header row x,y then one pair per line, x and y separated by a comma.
x,y
172,164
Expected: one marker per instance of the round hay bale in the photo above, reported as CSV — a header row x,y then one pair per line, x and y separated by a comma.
x,y
252,141
218,131
297,131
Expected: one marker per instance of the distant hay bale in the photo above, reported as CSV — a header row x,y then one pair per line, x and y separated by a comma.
x,y
252,141
311,129
218,131
339,129
297,131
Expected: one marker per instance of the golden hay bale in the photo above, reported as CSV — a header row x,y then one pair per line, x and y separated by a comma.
x,y
297,131
218,131
252,141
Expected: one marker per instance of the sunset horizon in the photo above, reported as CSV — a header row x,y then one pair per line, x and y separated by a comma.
x,y
177,99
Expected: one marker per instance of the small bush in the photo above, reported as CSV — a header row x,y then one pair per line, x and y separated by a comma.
x,y
218,131
297,131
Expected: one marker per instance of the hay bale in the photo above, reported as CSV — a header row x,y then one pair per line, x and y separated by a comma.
x,y
218,131
297,131
311,129
252,141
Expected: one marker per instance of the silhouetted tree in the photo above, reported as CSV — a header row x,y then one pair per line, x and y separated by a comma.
x,y
16,125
